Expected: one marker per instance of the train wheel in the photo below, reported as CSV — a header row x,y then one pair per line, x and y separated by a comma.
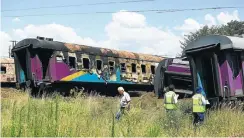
x,y
32,91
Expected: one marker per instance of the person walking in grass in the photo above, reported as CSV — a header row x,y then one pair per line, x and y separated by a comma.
x,y
124,102
170,99
199,107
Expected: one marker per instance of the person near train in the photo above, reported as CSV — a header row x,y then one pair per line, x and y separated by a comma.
x,y
124,102
170,105
199,106
170,99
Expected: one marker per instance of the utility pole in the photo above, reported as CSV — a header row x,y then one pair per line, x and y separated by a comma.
x,y
10,47
9,51
13,43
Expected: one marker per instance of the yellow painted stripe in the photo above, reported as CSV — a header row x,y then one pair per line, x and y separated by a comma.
x,y
72,76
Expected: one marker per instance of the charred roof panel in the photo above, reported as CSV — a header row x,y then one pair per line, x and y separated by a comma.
x,y
6,60
69,47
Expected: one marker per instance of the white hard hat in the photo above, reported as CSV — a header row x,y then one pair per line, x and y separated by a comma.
x,y
120,89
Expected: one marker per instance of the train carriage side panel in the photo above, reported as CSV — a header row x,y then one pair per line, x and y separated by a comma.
x,y
217,61
173,71
51,62
7,70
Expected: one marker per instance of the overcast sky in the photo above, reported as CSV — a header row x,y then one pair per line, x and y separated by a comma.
x,y
152,33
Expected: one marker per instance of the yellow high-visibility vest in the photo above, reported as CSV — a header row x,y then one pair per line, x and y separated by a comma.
x,y
169,100
197,102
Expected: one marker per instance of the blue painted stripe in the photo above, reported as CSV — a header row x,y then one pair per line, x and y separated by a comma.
x,y
22,76
94,78
200,84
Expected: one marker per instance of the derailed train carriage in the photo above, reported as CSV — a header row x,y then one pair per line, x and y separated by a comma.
x,y
46,64
174,71
217,65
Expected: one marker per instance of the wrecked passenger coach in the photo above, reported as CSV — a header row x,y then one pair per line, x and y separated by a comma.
x,y
174,71
7,72
42,63
217,65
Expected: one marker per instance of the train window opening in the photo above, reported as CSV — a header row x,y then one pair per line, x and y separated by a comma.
x,y
59,58
72,62
111,66
122,67
3,70
235,64
206,70
153,69
143,68
86,63
99,64
133,65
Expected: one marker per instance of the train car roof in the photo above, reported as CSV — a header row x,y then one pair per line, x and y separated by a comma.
x,y
225,42
69,47
6,60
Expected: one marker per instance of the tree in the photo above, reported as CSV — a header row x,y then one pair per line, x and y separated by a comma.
x,y
233,28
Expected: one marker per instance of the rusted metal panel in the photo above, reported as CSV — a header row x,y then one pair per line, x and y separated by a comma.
x,y
72,47
111,52
125,54
69,47
7,60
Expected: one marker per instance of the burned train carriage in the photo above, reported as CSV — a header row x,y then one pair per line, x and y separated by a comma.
x,y
7,72
41,63
217,65
174,71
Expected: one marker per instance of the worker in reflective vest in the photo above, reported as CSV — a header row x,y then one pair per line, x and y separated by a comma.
x,y
170,99
199,106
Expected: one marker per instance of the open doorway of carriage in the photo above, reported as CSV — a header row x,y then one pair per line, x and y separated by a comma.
x,y
40,73
44,56
205,74
22,67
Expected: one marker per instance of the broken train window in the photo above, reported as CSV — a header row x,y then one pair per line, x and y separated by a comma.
x,y
111,66
133,66
86,63
3,70
72,62
143,68
152,69
99,64
122,67
235,64
59,58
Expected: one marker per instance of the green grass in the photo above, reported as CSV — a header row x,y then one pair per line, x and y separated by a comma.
x,y
94,116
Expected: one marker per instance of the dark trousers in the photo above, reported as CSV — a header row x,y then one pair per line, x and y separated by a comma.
x,y
198,118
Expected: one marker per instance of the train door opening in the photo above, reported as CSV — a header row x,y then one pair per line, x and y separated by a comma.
x,y
206,71
21,64
236,67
